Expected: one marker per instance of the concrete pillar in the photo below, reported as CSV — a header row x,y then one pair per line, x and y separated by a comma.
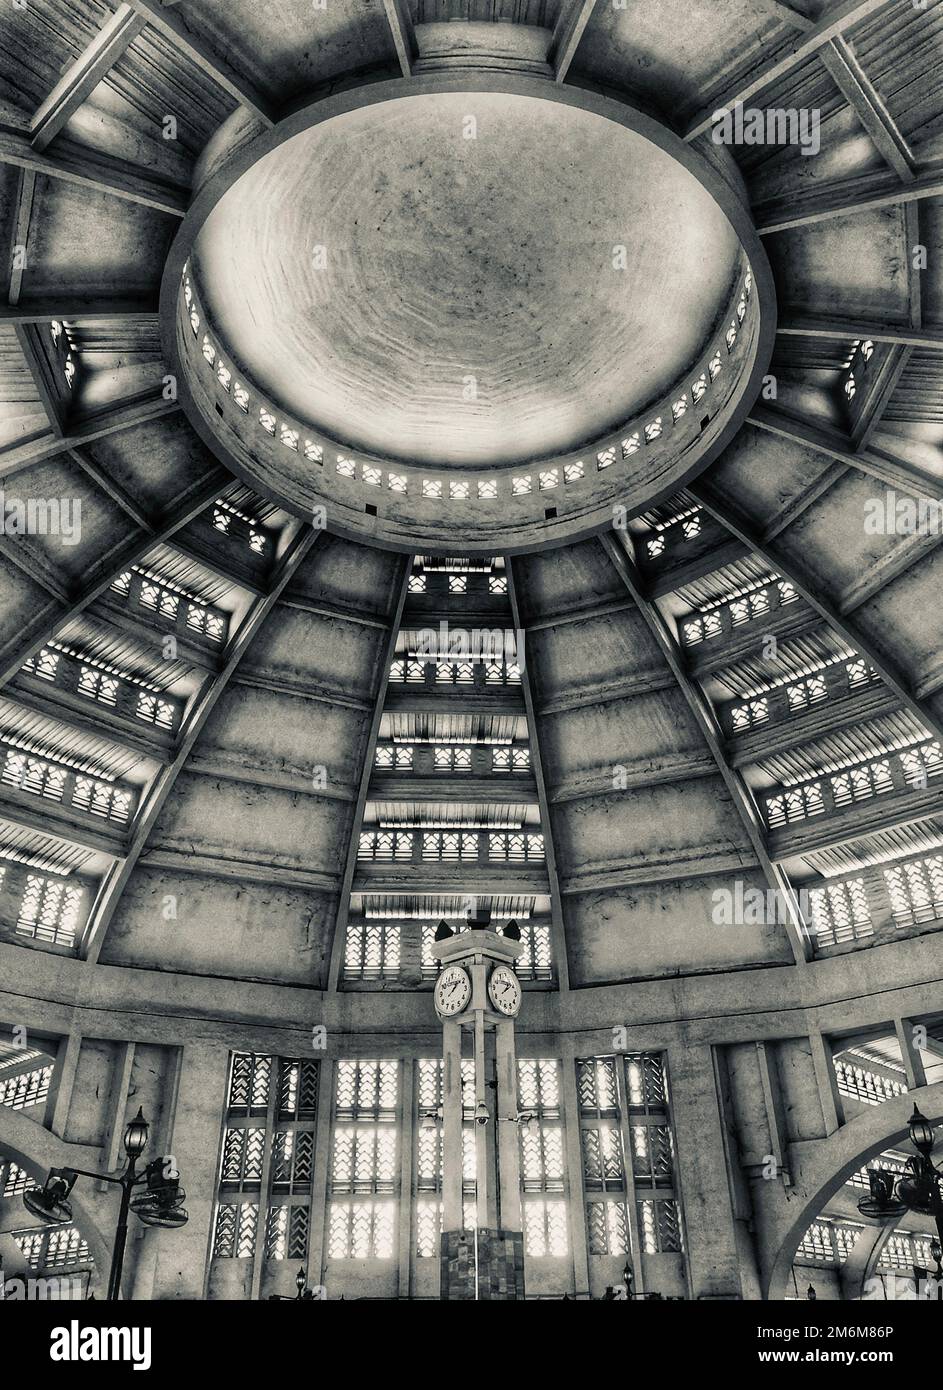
x,y
704,1185
181,1256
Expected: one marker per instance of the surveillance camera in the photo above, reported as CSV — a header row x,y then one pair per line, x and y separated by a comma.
x,y
481,1113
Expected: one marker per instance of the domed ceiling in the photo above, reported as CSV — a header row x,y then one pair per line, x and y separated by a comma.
x,y
445,290
732,679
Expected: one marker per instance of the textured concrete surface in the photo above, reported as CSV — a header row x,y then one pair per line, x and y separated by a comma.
x,y
447,258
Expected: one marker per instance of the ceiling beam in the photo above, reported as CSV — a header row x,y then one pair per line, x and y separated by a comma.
x,y
404,35
839,17
388,647
71,308
705,719
841,199
567,32
37,569
82,76
870,108
561,958
797,506
19,246
103,173
119,495
122,415
24,644
897,561
809,587
50,385
912,239
847,330
154,800
877,463
877,387
215,67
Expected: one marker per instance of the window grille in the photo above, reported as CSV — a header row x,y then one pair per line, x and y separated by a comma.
x,y
54,1248
487,489
749,715
915,890
372,951
516,847
840,912
267,1158
572,472
862,783
364,1175
50,909
870,1087
803,694
28,1089
796,804
385,845
45,665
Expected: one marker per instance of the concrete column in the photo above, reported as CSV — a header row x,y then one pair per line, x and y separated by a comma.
x,y
509,1153
182,1255
407,1142
576,1197
452,1126
704,1185
321,1175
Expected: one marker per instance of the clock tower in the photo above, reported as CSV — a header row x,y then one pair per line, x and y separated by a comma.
x,y
478,993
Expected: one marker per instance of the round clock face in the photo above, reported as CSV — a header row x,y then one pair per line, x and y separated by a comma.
x,y
452,990
504,990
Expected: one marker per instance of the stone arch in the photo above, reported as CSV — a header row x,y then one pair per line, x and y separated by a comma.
x,y
840,1155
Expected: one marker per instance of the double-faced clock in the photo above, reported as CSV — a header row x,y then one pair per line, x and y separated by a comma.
x,y
504,990
452,991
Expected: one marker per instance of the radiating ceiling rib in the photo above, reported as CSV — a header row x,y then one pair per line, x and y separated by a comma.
x,y
103,173
572,20
869,107
83,75
841,199
557,930
121,415
163,783
807,326
403,33
775,878
22,217
200,53
338,943
24,643
839,17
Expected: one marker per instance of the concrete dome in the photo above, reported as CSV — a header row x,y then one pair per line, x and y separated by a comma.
x,y
472,278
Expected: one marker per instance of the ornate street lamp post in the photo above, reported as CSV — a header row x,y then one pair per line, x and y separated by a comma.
x,y
919,1189
161,1204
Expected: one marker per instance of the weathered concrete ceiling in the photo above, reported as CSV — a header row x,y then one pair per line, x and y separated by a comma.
x,y
368,270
